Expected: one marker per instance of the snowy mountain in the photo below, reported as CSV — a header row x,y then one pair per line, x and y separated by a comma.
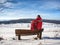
x,y
28,21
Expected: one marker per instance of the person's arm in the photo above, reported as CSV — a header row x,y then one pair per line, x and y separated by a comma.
x,y
39,20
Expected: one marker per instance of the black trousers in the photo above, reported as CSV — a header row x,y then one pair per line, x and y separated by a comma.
x,y
39,35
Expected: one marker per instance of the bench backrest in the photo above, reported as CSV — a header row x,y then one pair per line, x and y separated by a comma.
x,y
26,32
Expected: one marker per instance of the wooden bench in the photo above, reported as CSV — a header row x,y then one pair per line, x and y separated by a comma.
x,y
22,32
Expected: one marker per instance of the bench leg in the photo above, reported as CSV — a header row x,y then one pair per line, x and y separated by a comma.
x,y
19,37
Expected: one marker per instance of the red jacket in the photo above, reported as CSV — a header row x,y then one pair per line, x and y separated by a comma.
x,y
36,24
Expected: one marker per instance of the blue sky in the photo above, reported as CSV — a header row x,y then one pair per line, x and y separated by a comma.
x,y
17,9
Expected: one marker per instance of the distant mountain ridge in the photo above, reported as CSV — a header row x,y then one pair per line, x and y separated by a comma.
x,y
28,21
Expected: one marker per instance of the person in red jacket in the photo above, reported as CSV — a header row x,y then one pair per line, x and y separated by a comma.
x,y
39,22
37,25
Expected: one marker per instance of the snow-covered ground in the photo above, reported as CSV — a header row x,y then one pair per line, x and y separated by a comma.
x,y
50,29
30,42
51,34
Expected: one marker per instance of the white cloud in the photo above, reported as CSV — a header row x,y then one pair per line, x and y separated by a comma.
x,y
50,5
8,4
1,9
27,12
16,14
7,18
3,1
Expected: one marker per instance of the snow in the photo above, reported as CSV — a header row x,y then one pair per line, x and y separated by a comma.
x,y
50,35
30,42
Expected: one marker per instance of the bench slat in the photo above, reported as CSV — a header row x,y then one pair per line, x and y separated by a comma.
x,y
26,32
